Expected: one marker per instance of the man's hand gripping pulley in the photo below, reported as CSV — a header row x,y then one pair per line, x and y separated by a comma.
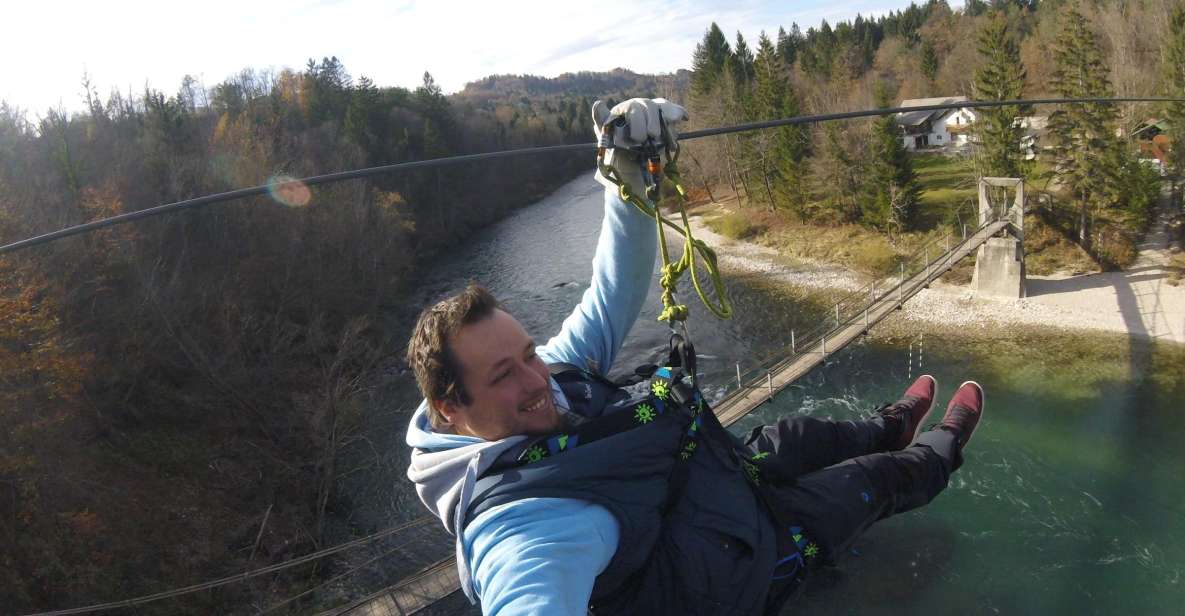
x,y
633,139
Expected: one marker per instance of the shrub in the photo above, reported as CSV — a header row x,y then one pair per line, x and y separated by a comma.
x,y
1142,189
874,255
1176,268
1115,249
736,226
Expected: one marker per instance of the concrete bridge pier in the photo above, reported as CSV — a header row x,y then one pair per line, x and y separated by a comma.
x,y
1000,268
1000,262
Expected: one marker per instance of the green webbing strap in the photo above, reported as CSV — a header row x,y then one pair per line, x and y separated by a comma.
x,y
671,272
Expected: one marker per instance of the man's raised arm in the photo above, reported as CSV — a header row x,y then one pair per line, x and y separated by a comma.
x,y
624,264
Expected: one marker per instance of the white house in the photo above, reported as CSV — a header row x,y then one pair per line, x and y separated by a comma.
x,y
938,128
1033,129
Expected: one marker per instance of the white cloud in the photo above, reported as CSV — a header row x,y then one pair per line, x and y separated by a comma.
x,y
127,45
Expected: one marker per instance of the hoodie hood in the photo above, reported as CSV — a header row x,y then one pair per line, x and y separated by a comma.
x,y
445,467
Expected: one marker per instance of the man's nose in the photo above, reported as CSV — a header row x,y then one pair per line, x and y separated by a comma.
x,y
532,381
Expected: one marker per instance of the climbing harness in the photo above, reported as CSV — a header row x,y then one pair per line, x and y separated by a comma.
x,y
668,397
650,161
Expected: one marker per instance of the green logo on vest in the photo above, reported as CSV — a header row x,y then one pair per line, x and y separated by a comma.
x,y
644,413
536,453
660,389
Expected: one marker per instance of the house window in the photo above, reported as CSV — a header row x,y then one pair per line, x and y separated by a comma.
x,y
937,137
958,120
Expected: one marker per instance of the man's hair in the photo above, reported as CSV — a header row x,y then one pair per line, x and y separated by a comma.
x,y
438,373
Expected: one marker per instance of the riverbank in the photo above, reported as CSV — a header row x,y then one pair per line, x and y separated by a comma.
x,y
1139,302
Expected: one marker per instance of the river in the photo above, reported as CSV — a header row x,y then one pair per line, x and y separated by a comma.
x,y
1071,500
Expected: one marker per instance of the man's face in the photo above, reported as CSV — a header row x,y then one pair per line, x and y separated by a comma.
x,y
507,382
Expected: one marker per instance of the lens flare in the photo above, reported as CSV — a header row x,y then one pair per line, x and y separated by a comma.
x,y
289,190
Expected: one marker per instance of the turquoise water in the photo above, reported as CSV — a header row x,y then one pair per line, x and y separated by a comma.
x,y
1072,499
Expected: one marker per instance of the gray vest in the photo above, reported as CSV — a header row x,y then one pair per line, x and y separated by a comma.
x,y
711,550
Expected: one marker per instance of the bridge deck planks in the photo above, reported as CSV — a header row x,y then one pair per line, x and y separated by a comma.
x,y
761,389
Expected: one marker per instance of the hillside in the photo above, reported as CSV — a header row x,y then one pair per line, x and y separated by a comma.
x,y
618,83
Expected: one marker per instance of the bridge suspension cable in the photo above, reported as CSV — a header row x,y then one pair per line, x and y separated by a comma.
x,y
340,176
241,577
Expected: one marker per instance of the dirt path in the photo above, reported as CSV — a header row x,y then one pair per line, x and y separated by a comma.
x,y
1138,301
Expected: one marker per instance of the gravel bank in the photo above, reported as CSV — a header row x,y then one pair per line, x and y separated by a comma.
x,y
1138,301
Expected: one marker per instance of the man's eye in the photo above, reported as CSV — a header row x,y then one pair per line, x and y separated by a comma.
x,y
501,376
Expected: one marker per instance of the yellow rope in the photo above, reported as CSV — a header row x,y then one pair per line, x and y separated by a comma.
x,y
670,272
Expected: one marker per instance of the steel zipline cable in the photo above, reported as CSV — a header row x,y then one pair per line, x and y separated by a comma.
x,y
438,162
340,176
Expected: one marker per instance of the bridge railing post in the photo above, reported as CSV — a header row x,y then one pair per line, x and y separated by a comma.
x,y
769,381
837,315
739,384
793,350
901,284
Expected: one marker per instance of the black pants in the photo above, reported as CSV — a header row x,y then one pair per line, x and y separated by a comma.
x,y
825,482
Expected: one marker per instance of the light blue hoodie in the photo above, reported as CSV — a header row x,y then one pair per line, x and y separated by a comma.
x,y
542,555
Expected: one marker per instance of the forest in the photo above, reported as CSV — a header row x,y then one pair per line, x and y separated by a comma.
x,y
1095,196
170,384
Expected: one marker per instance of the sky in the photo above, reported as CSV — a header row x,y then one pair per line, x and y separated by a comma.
x,y
48,47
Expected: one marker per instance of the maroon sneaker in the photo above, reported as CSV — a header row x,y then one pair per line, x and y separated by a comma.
x,y
911,409
964,411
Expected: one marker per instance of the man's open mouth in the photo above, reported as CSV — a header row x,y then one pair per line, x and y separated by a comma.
x,y
536,406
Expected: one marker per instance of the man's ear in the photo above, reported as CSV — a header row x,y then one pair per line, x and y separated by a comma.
x,y
446,411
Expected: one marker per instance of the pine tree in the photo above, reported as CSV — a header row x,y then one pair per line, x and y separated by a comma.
x,y
787,46
325,90
439,124
839,171
748,151
1001,78
1174,85
742,61
708,60
365,122
975,8
892,185
1087,156
929,63
785,150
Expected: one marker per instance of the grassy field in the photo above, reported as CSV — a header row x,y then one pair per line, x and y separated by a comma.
x,y
948,200
949,192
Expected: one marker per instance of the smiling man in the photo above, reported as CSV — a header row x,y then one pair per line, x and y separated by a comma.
x,y
507,391
568,493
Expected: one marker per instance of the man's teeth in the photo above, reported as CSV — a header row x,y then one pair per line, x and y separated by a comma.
x,y
537,406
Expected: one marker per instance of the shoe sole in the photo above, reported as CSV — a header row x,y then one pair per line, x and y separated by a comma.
x,y
918,429
982,405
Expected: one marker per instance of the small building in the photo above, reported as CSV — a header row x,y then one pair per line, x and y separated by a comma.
x,y
935,128
1151,136
1149,129
1033,130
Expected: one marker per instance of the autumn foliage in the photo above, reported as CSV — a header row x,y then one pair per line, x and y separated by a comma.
x,y
164,384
